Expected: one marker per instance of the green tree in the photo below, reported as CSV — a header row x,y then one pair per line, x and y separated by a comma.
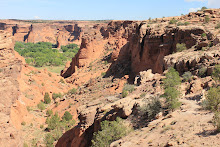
x,y
216,73
47,99
53,122
213,99
110,132
49,112
67,116
49,140
172,78
172,95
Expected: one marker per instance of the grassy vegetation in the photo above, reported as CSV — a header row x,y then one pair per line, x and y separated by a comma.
x,y
54,69
42,53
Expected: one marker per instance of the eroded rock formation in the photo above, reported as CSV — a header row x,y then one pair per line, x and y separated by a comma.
x,y
10,68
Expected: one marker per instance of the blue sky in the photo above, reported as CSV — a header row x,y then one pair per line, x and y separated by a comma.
x,y
99,9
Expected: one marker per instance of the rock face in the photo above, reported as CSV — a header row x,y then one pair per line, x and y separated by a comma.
x,y
100,39
57,32
10,68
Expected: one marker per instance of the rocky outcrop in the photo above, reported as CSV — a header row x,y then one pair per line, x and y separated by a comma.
x,y
10,68
93,113
98,40
57,32
194,61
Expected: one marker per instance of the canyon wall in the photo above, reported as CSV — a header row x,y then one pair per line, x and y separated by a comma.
x,y
10,68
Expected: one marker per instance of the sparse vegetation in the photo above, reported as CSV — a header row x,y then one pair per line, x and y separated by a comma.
x,y
62,81
124,93
187,76
110,132
207,19
49,112
180,47
103,74
216,120
72,91
213,99
202,71
149,110
47,99
23,123
216,73
173,21
56,95
41,106
129,87
203,35
203,8
217,26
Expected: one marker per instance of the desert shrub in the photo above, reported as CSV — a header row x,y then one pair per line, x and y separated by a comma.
x,y
173,21
149,110
180,47
56,95
53,121
186,23
62,81
180,24
25,144
23,123
213,99
41,126
49,140
47,99
129,87
124,93
103,74
172,78
72,91
41,106
216,120
187,76
49,74
67,116
29,108
172,94
217,26
202,71
49,112
216,73
207,19
34,142
143,95
110,132
203,35
203,8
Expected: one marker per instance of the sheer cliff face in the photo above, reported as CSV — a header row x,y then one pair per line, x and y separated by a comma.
x,y
10,68
58,33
